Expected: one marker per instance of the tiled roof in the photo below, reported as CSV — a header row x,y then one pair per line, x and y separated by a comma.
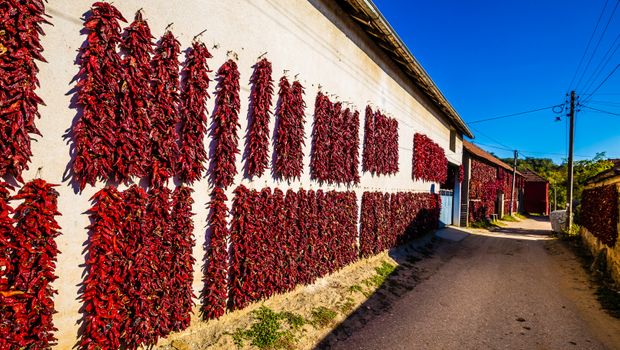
x,y
531,176
480,153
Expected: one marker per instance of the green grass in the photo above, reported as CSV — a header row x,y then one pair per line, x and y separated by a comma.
x,y
509,218
519,216
347,306
322,316
383,271
356,288
271,330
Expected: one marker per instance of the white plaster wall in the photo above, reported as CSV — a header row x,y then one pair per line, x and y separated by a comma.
x,y
298,36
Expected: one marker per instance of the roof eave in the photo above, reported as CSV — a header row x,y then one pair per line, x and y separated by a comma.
x,y
401,55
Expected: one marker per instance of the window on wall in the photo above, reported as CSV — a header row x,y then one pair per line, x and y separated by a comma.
x,y
453,140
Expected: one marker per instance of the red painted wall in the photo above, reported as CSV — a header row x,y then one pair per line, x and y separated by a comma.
x,y
536,197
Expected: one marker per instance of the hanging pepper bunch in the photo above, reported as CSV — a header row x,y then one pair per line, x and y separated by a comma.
x,y
429,160
216,260
156,244
599,213
181,270
194,95
319,160
335,142
225,124
165,111
280,241
20,48
380,154
137,260
103,297
257,158
289,139
483,187
98,91
133,143
368,153
388,220
28,261
461,173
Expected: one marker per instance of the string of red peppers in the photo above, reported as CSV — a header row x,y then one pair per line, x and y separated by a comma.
x,y
181,273
388,220
225,124
165,111
140,267
461,173
216,264
280,241
380,154
257,158
28,261
335,150
483,187
599,212
429,160
20,48
289,137
133,141
98,86
194,95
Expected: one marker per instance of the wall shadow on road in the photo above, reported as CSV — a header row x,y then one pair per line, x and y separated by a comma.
x,y
408,274
404,279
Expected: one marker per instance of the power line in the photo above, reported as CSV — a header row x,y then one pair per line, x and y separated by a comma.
x,y
602,82
600,110
492,139
603,63
587,46
529,152
511,115
597,44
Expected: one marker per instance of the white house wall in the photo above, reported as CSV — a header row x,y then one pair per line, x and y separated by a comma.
x,y
312,40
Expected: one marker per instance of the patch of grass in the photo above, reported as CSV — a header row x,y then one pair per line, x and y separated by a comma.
x,y
356,288
322,316
509,218
270,329
347,306
519,216
383,271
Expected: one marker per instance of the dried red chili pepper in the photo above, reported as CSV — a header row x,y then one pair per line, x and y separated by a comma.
x,y
483,187
225,124
256,155
20,48
368,154
319,158
95,133
216,259
380,154
133,143
29,254
181,271
165,111
289,136
599,213
429,160
194,95
103,297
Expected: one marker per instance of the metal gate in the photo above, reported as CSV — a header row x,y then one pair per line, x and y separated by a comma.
x,y
447,200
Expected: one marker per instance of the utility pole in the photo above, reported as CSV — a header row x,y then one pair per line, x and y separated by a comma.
x,y
571,145
555,198
514,180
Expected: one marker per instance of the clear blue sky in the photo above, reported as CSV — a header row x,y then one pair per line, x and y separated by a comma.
x,y
493,58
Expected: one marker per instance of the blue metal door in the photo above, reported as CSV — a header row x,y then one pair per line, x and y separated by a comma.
x,y
445,215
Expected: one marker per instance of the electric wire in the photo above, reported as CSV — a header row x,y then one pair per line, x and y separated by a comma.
x,y
603,63
602,82
597,44
588,46
512,115
601,110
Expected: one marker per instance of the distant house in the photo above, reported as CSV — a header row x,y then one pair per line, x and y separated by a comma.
x,y
487,186
535,193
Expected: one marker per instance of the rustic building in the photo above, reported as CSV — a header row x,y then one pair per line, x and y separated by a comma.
x,y
487,186
535,193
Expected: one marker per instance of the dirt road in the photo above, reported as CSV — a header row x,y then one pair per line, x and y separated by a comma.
x,y
513,289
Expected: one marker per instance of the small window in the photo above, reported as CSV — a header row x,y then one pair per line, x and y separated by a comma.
x,y
453,140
